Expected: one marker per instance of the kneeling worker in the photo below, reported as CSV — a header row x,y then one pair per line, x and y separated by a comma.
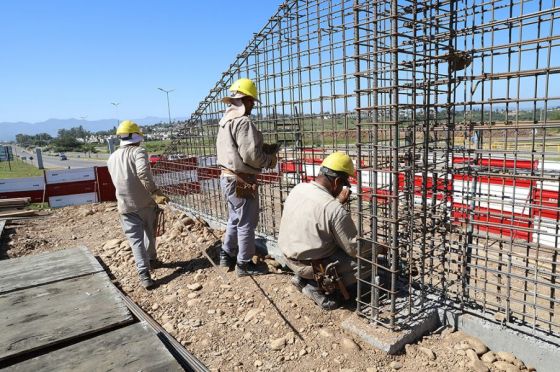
x,y
137,196
316,229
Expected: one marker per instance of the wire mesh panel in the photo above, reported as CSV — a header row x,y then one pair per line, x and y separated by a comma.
x,y
451,111
301,62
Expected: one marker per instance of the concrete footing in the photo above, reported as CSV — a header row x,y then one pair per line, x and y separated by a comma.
x,y
533,348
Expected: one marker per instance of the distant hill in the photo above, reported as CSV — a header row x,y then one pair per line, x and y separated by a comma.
x,y
8,130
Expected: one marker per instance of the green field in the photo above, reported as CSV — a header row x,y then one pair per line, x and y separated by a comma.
x,y
19,169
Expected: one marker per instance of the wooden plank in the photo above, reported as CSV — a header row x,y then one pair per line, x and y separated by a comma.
x,y
132,348
38,317
16,213
30,271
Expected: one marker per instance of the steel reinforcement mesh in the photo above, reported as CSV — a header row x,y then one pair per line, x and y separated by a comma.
x,y
451,111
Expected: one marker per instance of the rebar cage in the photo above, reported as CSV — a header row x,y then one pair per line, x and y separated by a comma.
x,y
451,111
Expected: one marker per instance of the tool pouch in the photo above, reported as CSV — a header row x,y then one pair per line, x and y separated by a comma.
x,y
246,186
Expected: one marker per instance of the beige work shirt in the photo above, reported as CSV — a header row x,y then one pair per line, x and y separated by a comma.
x,y
131,174
239,143
314,224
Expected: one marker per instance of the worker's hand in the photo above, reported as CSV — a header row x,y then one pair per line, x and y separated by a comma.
x,y
344,195
159,197
273,162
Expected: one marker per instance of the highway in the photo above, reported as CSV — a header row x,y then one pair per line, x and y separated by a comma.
x,y
54,162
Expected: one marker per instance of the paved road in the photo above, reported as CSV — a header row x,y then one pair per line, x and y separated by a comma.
x,y
54,162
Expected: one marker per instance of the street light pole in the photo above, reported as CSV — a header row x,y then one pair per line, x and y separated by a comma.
x,y
168,107
116,104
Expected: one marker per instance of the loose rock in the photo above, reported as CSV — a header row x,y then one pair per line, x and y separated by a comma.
x,y
478,346
277,344
505,366
395,365
471,354
489,357
349,344
194,286
428,352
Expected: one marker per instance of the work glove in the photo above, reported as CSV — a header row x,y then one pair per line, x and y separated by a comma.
x,y
271,148
159,197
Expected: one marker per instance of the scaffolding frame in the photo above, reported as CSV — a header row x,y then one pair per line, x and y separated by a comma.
x,y
451,111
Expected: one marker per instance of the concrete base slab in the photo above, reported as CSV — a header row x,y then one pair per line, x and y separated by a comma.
x,y
537,350
389,341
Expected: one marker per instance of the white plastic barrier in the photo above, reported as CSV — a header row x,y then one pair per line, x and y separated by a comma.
x,y
22,184
75,199
70,175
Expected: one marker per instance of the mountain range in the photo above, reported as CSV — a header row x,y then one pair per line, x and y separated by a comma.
x,y
9,130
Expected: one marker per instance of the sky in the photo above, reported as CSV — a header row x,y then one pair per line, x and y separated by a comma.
x,y
71,59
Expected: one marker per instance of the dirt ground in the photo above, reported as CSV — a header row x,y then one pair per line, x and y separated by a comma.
x,y
230,323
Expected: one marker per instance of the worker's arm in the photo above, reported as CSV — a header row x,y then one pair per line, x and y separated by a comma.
x,y
344,231
250,145
143,170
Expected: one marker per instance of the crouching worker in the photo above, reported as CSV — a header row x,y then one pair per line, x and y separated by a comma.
x,y
316,231
137,197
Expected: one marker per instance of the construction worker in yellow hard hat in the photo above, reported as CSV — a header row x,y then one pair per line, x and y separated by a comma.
x,y
241,155
316,228
137,197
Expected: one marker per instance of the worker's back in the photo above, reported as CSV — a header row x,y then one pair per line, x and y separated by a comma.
x,y
129,169
306,229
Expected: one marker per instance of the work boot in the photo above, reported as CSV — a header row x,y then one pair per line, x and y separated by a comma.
x,y
324,301
226,260
298,282
147,281
249,268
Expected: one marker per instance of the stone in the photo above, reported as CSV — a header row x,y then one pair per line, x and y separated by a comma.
x,y
349,344
461,352
170,298
278,343
506,356
472,355
169,327
155,306
505,366
251,314
88,212
489,357
478,346
302,352
428,352
478,365
462,346
111,244
258,363
371,369
395,365
192,295
194,286
325,333
290,338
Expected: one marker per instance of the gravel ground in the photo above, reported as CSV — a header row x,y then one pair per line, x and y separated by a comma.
x,y
237,324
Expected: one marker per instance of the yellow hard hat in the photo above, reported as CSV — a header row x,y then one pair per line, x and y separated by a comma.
x,y
246,87
127,127
339,162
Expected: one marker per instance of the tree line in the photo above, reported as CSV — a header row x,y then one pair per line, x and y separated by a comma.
x,y
66,140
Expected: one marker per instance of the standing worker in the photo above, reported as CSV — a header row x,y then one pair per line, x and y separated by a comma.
x,y
316,229
137,196
241,156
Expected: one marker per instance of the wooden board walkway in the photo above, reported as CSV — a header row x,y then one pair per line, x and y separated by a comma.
x,y
116,350
30,271
60,311
42,316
